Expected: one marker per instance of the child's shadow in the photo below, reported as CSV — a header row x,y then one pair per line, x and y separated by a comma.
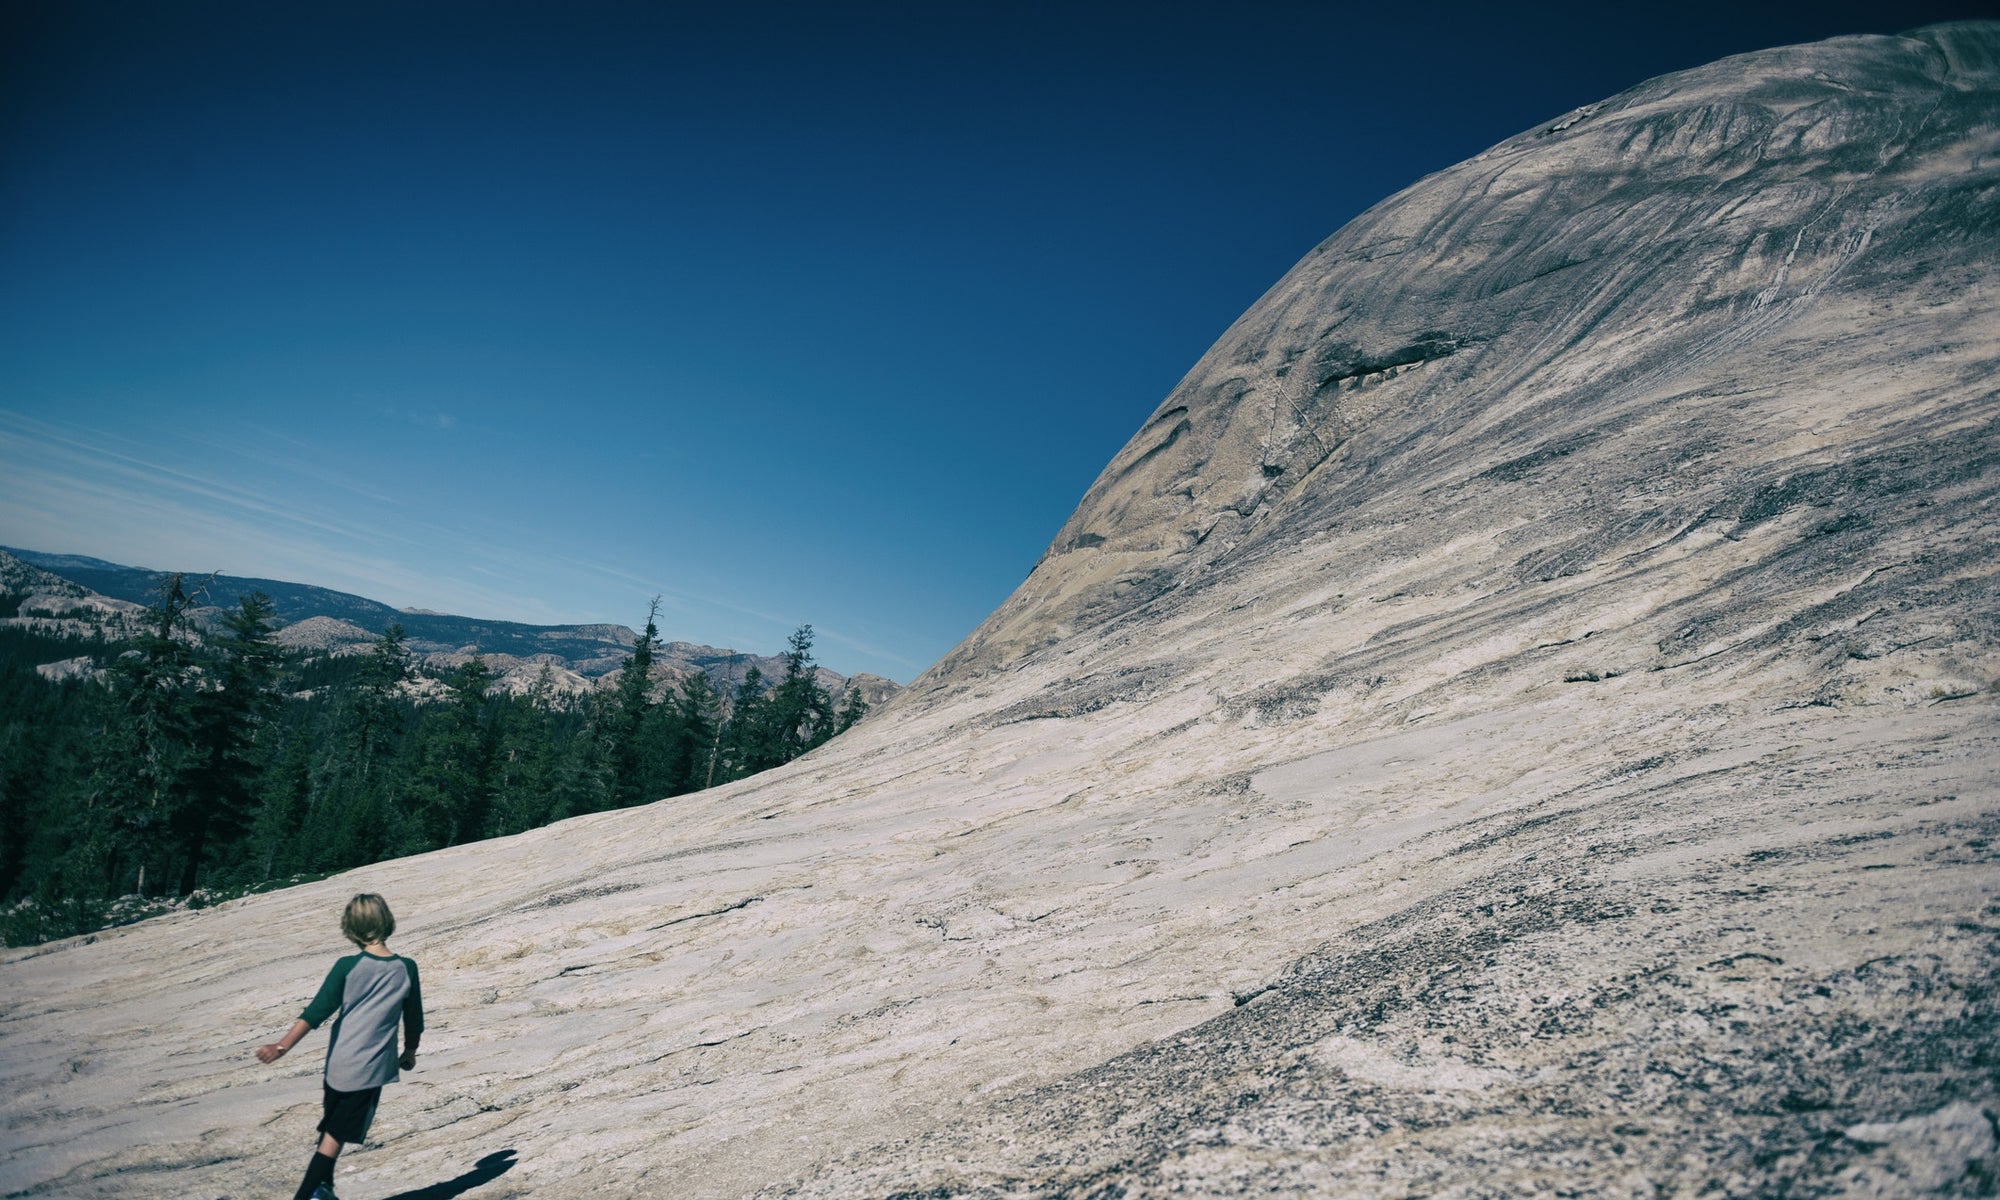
x,y
487,1169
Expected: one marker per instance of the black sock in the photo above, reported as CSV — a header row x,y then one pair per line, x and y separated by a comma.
x,y
319,1171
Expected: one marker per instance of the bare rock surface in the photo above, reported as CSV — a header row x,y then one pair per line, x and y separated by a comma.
x,y
1519,719
327,634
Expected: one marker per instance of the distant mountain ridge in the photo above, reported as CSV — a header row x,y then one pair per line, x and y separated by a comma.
x,y
579,658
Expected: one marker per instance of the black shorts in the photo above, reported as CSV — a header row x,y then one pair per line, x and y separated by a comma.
x,y
347,1115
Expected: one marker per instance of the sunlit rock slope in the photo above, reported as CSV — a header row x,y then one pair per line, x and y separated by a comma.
x,y
1518,719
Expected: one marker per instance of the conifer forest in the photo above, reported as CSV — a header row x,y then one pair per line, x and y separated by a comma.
x,y
192,766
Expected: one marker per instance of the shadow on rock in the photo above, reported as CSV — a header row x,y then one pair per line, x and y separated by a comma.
x,y
486,1170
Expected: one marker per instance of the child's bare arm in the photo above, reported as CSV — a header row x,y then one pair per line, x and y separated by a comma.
x,y
276,1050
324,1004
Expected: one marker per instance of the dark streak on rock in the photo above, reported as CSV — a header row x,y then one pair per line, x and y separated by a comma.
x,y
739,905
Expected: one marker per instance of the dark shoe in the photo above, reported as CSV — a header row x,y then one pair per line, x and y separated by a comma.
x,y
324,1192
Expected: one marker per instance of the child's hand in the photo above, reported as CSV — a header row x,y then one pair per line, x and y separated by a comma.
x,y
270,1053
409,1060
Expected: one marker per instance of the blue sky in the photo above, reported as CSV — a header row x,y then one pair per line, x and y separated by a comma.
x,y
789,313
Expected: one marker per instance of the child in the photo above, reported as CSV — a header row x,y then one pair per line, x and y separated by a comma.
x,y
373,991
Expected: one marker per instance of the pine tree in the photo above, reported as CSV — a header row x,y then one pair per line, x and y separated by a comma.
x,y
231,711
143,764
799,716
625,724
746,738
24,782
851,711
523,761
581,778
54,838
356,816
449,795
277,840
698,712
377,717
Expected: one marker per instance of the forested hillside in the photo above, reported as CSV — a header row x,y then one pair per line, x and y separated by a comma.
x,y
166,767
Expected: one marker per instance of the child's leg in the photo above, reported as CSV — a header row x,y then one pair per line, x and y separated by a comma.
x,y
320,1169
344,1117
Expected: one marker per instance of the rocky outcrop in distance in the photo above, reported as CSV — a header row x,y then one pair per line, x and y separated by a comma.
x,y
37,600
1520,718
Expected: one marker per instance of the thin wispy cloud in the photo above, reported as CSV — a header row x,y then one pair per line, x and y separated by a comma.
x,y
422,418
71,488
309,464
58,513
772,622
41,450
838,637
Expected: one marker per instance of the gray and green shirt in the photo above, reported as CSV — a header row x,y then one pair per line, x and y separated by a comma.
x,y
373,995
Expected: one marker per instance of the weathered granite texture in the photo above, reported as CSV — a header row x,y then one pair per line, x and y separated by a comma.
x,y
1519,719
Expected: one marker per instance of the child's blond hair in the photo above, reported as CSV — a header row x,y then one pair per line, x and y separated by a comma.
x,y
367,919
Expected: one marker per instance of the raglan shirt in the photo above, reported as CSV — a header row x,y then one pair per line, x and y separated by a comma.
x,y
373,996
